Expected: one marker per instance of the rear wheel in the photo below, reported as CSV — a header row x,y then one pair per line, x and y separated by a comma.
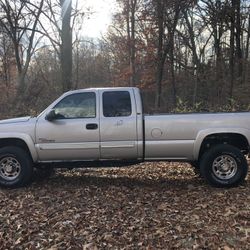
x,y
16,167
224,166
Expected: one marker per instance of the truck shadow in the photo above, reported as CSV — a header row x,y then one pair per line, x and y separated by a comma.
x,y
91,177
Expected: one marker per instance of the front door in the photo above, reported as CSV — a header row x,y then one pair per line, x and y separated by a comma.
x,y
118,125
74,134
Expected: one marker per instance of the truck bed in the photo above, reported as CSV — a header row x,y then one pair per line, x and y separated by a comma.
x,y
174,135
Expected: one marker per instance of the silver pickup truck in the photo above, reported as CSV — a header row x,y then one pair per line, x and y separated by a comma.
x,y
105,125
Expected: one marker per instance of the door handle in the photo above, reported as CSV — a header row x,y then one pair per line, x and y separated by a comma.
x,y
91,126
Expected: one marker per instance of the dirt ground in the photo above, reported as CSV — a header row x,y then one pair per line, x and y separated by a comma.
x,y
146,206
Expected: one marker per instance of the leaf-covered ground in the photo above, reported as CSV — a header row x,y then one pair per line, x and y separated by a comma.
x,y
147,206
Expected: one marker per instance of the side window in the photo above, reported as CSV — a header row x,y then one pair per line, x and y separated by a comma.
x,y
116,103
82,105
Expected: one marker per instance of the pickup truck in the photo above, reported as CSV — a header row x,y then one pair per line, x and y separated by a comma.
x,y
102,125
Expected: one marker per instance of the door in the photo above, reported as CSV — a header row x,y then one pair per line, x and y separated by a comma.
x,y
118,125
74,133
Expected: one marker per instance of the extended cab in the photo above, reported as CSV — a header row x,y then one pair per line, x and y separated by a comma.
x,y
108,124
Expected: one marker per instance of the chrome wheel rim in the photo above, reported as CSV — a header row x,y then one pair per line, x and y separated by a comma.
x,y
10,168
224,167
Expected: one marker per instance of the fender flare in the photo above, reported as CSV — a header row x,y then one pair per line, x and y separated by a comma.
x,y
206,132
26,139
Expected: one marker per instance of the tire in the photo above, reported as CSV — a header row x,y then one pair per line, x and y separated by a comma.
x,y
16,167
196,168
224,166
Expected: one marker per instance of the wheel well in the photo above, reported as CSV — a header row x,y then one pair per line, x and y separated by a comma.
x,y
237,140
14,142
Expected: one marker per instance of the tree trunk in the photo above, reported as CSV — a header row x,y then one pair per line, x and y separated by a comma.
x,y
66,46
160,57
248,39
171,55
23,68
238,37
232,51
247,51
132,45
77,65
195,58
217,34
128,37
21,83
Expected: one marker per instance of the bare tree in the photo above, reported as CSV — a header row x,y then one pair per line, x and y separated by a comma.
x,y
187,49
161,51
167,19
215,17
237,6
132,6
6,59
62,17
129,8
19,20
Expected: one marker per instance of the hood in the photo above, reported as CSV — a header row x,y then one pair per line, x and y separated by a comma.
x,y
15,120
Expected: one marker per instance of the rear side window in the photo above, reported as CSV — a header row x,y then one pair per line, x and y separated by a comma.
x,y
116,103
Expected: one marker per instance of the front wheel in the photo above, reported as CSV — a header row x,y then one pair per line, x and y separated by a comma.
x,y
196,168
224,166
16,167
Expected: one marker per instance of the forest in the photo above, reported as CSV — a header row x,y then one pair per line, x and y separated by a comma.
x,y
183,55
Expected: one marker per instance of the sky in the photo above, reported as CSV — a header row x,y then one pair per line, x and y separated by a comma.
x,y
98,22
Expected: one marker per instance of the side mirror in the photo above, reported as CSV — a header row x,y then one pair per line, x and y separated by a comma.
x,y
51,115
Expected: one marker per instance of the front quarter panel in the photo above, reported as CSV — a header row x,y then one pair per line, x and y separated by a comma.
x,y
24,137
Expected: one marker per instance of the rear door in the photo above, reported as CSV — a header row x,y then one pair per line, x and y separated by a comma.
x,y
118,128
